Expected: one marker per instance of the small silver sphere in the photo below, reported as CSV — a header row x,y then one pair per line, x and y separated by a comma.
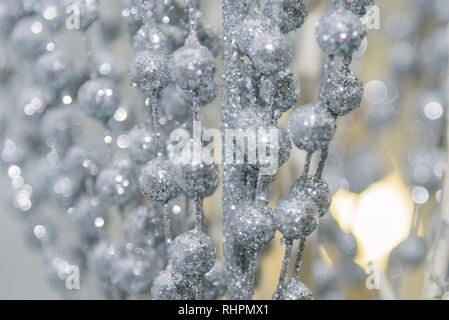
x,y
99,98
252,227
293,14
311,127
142,143
148,71
340,32
57,70
341,92
317,190
193,66
117,185
270,52
157,182
296,216
197,178
192,253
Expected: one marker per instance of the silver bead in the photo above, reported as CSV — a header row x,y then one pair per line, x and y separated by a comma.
x,y
192,253
270,52
296,290
193,66
252,227
197,178
117,185
142,143
311,127
99,98
317,190
157,182
148,71
296,216
341,92
340,32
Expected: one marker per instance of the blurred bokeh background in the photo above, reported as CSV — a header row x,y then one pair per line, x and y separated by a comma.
x,y
385,165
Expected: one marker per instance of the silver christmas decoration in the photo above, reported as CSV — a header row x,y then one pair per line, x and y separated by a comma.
x,y
340,32
165,251
192,253
157,182
311,127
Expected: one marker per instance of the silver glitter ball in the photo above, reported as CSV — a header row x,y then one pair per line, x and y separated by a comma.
x,y
317,190
146,225
148,71
252,227
88,217
117,185
169,285
340,32
296,216
57,70
157,182
311,127
251,28
341,92
197,178
270,52
142,143
192,253
193,66
99,98
296,290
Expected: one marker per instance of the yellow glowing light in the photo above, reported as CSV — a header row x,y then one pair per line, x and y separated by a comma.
x,y
379,218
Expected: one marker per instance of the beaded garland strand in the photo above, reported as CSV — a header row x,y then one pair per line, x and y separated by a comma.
x,y
176,77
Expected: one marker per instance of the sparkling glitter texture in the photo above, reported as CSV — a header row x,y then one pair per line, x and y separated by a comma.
x,y
340,32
